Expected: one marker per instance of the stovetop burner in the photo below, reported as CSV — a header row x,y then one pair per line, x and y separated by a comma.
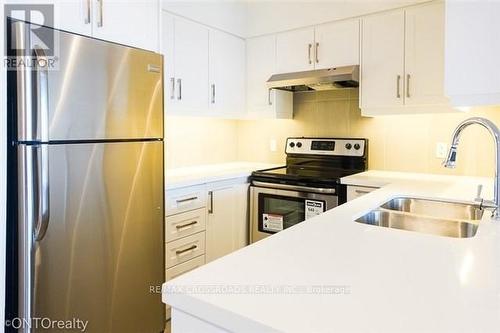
x,y
318,161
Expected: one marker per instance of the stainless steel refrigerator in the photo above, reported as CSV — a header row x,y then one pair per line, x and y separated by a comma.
x,y
85,184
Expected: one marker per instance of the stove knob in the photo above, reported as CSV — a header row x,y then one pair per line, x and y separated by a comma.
x,y
348,146
357,146
299,144
292,144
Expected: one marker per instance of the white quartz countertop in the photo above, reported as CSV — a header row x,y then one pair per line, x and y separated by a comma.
x,y
379,178
332,274
182,177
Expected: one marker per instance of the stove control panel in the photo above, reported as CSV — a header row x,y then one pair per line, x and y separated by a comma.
x,y
321,146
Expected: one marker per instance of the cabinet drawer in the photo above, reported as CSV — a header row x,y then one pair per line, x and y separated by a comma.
x,y
185,199
184,249
354,192
185,267
181,269
185,224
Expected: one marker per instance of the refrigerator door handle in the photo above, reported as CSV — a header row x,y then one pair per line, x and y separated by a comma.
x,y
42,193
41,100
42,105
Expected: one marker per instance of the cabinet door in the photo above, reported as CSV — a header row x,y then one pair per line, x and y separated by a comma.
x,y
226,73
382,60
295,51
261,64
221,210
337,44
227,225
133,23
424,55
191,67
69,15
167,45
473,52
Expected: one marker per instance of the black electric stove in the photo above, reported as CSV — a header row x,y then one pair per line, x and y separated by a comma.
x,y
307,186
317,163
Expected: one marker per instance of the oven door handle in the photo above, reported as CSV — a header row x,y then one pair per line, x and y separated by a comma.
x,y
295,187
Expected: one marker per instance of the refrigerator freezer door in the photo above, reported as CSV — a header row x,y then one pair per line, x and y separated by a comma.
x,y
96,90
101,258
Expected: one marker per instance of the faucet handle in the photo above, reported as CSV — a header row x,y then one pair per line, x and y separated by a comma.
x,y
479,190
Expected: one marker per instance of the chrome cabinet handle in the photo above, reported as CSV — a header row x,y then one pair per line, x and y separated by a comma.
x,y
100,21
211,202
192,247
186,199
179,87
213,93
316,53
42,105
479,190
181,226
172,87
408,85
398,83
87,16
309,53
269,100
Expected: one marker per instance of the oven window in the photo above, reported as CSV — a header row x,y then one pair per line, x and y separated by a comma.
x,y
280,212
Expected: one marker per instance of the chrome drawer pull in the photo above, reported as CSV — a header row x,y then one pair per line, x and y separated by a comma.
x,y
398,84
186,200
362,192
180,226
192,247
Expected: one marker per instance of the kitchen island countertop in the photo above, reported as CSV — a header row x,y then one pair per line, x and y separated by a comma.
x,y
332,274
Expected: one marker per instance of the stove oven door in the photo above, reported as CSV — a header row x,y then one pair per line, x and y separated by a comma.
x,y
275,209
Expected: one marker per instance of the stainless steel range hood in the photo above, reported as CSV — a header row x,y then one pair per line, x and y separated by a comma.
x,y
320,79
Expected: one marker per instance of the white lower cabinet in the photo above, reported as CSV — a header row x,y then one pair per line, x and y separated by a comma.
x,y
204,222
184,249
185,224
180,269
354,192
227,222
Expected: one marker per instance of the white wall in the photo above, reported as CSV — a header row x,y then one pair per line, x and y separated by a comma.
x,y
266,17
254,17
228,16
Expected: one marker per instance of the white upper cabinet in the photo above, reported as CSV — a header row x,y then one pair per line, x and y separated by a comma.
x,y
226,74
204,69
261,64
382,60
424,55
190,65
69,15
337,44
133,23
295,51
74,16
402,61
473,52
184,45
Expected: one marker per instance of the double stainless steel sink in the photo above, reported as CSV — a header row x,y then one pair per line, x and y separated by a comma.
x,y
442,218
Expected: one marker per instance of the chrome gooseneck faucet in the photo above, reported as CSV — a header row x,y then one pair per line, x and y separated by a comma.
x,y
451,159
